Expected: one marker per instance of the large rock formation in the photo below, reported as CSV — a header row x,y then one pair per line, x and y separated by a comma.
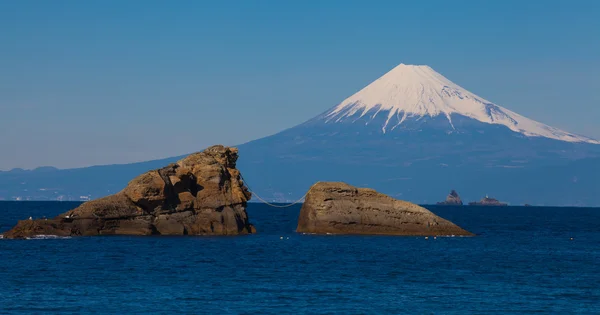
x,y
201,194
338,208
453,199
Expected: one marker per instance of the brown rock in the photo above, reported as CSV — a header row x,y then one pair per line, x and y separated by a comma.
x,y
169,225
201,194
338,208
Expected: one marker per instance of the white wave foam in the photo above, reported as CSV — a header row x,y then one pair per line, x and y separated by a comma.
x,y
47,237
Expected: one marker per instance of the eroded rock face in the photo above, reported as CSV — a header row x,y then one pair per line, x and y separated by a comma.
x,y
338,208
201,194
453,199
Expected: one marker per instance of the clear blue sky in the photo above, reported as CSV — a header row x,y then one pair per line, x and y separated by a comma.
x,y
97,82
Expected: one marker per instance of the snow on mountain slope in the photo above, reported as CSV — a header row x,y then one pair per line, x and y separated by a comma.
x,y
412,92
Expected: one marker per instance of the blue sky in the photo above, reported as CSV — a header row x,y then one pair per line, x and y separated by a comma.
x,y
101,82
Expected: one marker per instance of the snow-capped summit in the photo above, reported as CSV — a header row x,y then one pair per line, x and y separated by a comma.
x,y
412,92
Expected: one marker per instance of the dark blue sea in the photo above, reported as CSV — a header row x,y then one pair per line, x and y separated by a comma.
x,y
522,261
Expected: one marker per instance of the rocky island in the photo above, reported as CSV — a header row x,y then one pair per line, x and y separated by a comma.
x,y
487,201
201,194
453,199
339,208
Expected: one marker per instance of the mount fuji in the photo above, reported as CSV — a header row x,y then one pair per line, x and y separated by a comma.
x,y
412,134
410,92
415,135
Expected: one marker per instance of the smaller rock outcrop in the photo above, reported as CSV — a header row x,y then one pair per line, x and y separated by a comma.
x,y
453,199
202,194
487,201
339,208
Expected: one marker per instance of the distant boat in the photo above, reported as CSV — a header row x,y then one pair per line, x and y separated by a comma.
x,y
487,201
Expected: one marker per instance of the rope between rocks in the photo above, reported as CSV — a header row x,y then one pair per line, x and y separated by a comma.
x,y
268,203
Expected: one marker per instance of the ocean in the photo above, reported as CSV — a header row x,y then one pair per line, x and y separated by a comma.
x,y
523,260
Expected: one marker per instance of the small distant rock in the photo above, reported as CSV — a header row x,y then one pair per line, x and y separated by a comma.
x,y
339,208
453,199
202,194
487,201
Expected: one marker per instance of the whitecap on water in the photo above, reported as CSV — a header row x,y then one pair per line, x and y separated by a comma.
x,y
47,237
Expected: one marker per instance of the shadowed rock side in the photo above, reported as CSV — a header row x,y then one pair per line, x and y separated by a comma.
x,y
453,199
201,194
338,208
